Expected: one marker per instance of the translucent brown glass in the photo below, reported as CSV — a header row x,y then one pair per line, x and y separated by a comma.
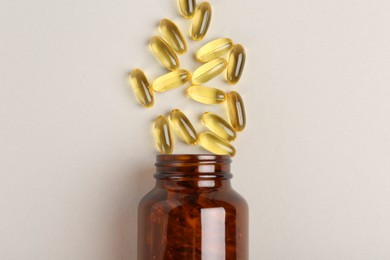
x,y
193,212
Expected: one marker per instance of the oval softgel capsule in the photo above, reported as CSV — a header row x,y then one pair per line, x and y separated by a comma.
x,y
164,53
236,111
206,95
201,21
219,126
187,7
215,144
162,135
208,71
173,36
183,127
214,49
236,63
141,87
171,80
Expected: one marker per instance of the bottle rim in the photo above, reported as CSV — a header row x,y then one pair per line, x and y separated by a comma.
x,y
171,166
188,158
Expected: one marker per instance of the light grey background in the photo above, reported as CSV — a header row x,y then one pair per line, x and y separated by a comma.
x,y
76,151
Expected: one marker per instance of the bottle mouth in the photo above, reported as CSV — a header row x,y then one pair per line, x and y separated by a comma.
x,y
190,158
192,165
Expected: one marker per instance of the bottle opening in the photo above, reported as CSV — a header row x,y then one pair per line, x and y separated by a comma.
x,y
193,165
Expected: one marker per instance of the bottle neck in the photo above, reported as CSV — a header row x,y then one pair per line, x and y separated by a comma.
x,y
194,171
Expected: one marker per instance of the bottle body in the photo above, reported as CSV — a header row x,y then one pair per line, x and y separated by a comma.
x,y
193,212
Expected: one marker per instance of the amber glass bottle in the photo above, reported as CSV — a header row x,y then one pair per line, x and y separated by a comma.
x,y
193,213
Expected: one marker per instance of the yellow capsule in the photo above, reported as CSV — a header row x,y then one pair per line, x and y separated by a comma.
x,y
201,21
187,7
236,64
236,111
214,49
171,80
208,71
162,135
215,144
141,87
164,53
173,36
206,95
183,127
219,126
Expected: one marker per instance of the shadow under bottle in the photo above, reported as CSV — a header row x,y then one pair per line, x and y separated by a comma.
x,y
193,212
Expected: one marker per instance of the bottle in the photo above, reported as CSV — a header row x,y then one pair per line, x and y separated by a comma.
x,y
193,212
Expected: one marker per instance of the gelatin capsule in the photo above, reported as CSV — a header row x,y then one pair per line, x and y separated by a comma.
x,y
164,53
208,71
215,144
201,21
162,135
171,80
236,64
214,49
173,36
183,127
219,126
236,111
206,95
141,87
187,7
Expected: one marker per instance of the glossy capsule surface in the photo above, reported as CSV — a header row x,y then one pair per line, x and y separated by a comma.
x,y
215,144
214,49
208,71
164,53
236,64
206,95
141,88
201,21
171,80
219,126
173,36
187,7
236,111
183,127
162,135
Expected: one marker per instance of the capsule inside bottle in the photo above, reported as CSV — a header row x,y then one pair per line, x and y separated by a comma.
x,y
164,53
187,7
236,64
208,71
219,126
236,111
171,80
162,135
141,88
201,21
183,127
214,49
173,36
215,144
206,95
